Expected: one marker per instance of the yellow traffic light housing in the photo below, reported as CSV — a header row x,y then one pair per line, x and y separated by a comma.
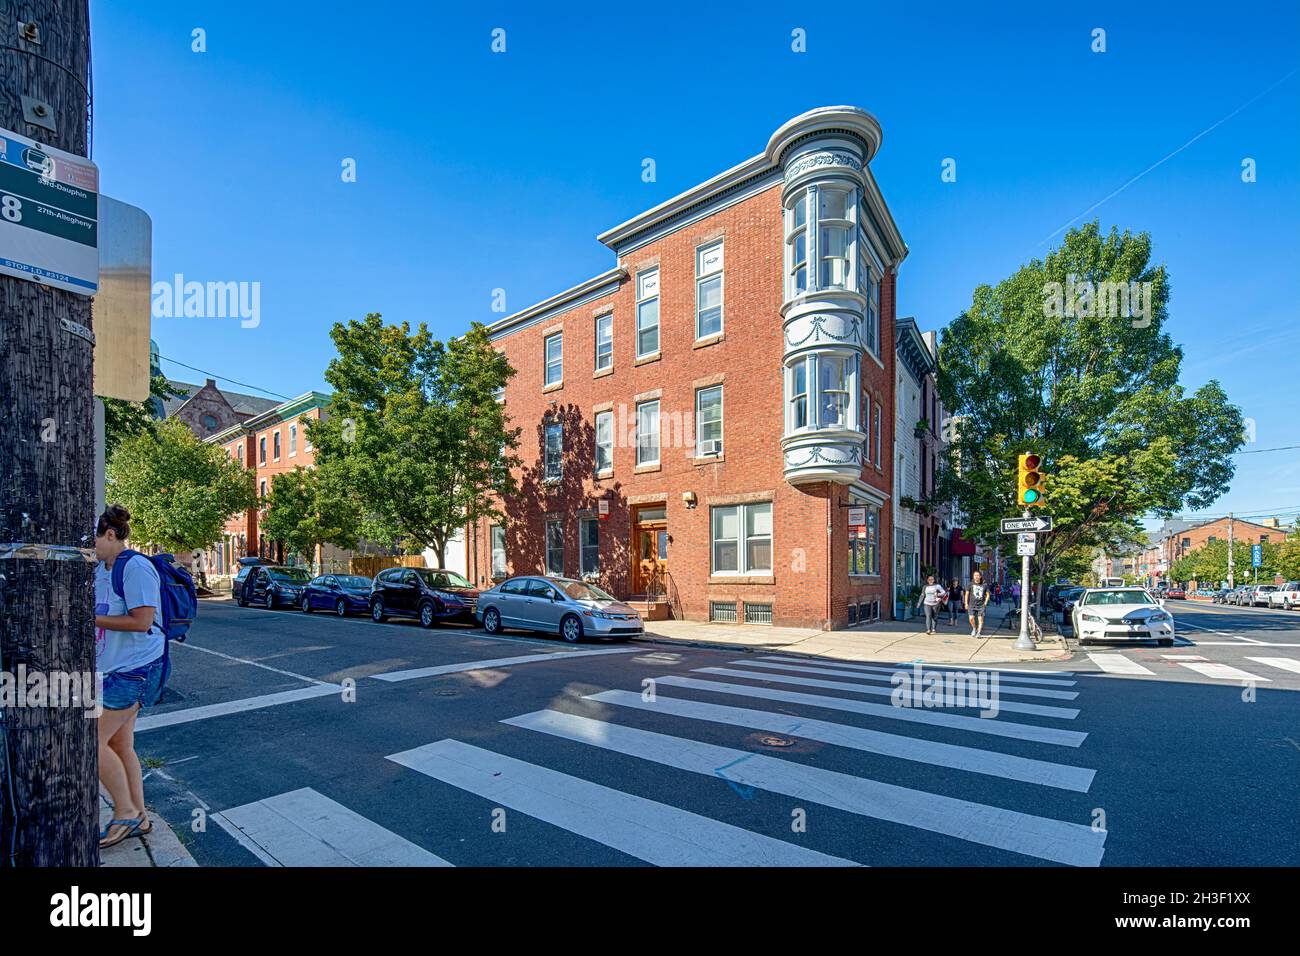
x,y
1029,482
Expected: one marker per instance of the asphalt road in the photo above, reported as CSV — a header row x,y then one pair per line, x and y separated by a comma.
x,y
289,739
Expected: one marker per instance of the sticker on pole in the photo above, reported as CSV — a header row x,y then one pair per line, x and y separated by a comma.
x,y
1026,545
49,215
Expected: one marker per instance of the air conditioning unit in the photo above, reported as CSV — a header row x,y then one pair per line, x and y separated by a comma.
x,y
710,448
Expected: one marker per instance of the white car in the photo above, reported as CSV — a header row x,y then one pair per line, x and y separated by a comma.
x,y
1121,614
1286,597
1258,596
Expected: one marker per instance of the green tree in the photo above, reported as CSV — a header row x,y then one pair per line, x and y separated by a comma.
x,y
1097,395
303,513
1288,559
414,434
180,491
123,419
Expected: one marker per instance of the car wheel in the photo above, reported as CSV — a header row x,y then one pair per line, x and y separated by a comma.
x,y
377,611
341,608
571,629
243,598
492,621
306,604
268,602
1084,642
1166,642
427,616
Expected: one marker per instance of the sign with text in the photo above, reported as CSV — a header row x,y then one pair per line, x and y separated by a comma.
x,y
602,509
858,518
1026,544
49,215
1017,525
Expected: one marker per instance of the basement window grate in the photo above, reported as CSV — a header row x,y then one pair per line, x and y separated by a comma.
x,y
758,613
723,611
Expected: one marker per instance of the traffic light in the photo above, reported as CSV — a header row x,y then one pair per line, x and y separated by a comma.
x,y
1029,482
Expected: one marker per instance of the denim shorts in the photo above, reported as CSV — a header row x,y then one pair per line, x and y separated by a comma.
x,y
141,685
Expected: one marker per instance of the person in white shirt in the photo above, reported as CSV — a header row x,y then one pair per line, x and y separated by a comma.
x,y
977,600
932,596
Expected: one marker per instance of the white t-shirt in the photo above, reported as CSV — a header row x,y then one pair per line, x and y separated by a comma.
x,y
127,650
934,594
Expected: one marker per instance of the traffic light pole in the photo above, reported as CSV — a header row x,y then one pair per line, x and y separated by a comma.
x,y
1024,642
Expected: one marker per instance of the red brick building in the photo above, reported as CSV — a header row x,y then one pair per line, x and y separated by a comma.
x,y
701,421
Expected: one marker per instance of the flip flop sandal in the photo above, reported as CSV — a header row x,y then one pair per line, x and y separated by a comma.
x,y
129,826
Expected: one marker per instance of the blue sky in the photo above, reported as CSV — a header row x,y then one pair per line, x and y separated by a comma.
x,y
478,171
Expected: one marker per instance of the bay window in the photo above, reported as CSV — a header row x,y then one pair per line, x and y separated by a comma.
x,y
796,245
835,236
833,386
821,389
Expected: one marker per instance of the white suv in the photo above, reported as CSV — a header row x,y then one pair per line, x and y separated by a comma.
x,y
1287,596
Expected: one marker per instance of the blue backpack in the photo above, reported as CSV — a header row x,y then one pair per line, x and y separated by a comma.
x,y
179,600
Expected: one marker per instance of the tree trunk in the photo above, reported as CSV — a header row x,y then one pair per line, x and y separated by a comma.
x,y
48,755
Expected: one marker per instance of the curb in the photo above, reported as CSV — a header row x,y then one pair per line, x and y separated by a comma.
x,y
1063,655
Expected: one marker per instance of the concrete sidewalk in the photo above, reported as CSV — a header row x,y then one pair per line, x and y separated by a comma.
x,y
160,848
889,641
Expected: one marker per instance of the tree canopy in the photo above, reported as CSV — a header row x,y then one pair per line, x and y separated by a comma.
x,y
302,512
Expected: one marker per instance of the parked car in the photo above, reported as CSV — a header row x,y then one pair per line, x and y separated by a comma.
x,y
1067,599
563,606
1221,596
1175,594
273,585
429,595
1257,596
1286,597
1121,614
246,565
1238,595
341,593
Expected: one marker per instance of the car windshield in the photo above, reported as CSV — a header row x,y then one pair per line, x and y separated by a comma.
x,y
1266,587
291,575
582,591
443,579
1126,596
353,581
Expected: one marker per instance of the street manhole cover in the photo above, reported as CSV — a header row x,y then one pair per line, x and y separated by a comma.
x,y
445,693
771,740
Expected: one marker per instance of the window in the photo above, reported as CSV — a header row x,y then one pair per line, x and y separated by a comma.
x,y
498,537
864,546
871,333
293,440
307,440
554,359
589,539
742,539
604,442
796,245
822,389
261,450
799,394
833,385
708,290
708,421
554,451
239,453
875,428
275,444
555,548
647,313
605,342
263,486
210,423
834,241
647,433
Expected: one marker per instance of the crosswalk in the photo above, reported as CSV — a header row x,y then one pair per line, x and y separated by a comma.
x,y
997,773
1119,664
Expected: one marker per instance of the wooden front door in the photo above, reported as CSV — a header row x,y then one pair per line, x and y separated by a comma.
x,y
650,551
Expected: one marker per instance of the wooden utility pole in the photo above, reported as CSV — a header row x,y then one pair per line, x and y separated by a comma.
x,y
48,755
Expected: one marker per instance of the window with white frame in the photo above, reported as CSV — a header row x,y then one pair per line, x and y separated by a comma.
x,y
293,440
708,420
833,383
647,433
869,286
555,548
798,391
604,442
554,449
796,245
239,453
822,389
589,541
708,290
498,551
306,438
864,545
554,358
875,429
835,236
604,342
742,538
647,313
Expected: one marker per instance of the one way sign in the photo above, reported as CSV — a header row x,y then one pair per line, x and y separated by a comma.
x,y
1017,525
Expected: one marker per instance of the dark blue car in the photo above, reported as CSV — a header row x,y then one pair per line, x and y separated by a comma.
x,y
343,594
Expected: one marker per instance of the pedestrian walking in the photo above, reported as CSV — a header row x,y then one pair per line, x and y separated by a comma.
x,y
977,600
129,647
932,595
954,601
997,593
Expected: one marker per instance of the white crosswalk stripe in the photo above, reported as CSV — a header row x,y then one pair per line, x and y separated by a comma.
x,y
1064,713
1059,841
887,677
907,748
1282,663
306,828
1061,678
650,831
1118,664
1221,671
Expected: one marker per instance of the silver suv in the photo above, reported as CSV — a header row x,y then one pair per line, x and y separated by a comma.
x,y
563,606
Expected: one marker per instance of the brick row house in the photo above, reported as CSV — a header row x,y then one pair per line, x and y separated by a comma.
x,y
708,427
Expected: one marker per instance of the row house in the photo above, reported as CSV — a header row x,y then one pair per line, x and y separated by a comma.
x,y
708,426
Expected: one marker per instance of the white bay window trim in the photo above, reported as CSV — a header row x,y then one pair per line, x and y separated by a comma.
x,y
805,410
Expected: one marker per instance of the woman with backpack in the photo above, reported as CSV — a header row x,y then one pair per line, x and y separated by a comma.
x,y
129,653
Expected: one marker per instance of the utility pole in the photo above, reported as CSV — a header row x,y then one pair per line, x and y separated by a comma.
x,y
1230,571
48,754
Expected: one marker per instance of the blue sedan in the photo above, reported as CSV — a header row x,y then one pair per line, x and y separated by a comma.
x,y
343,594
